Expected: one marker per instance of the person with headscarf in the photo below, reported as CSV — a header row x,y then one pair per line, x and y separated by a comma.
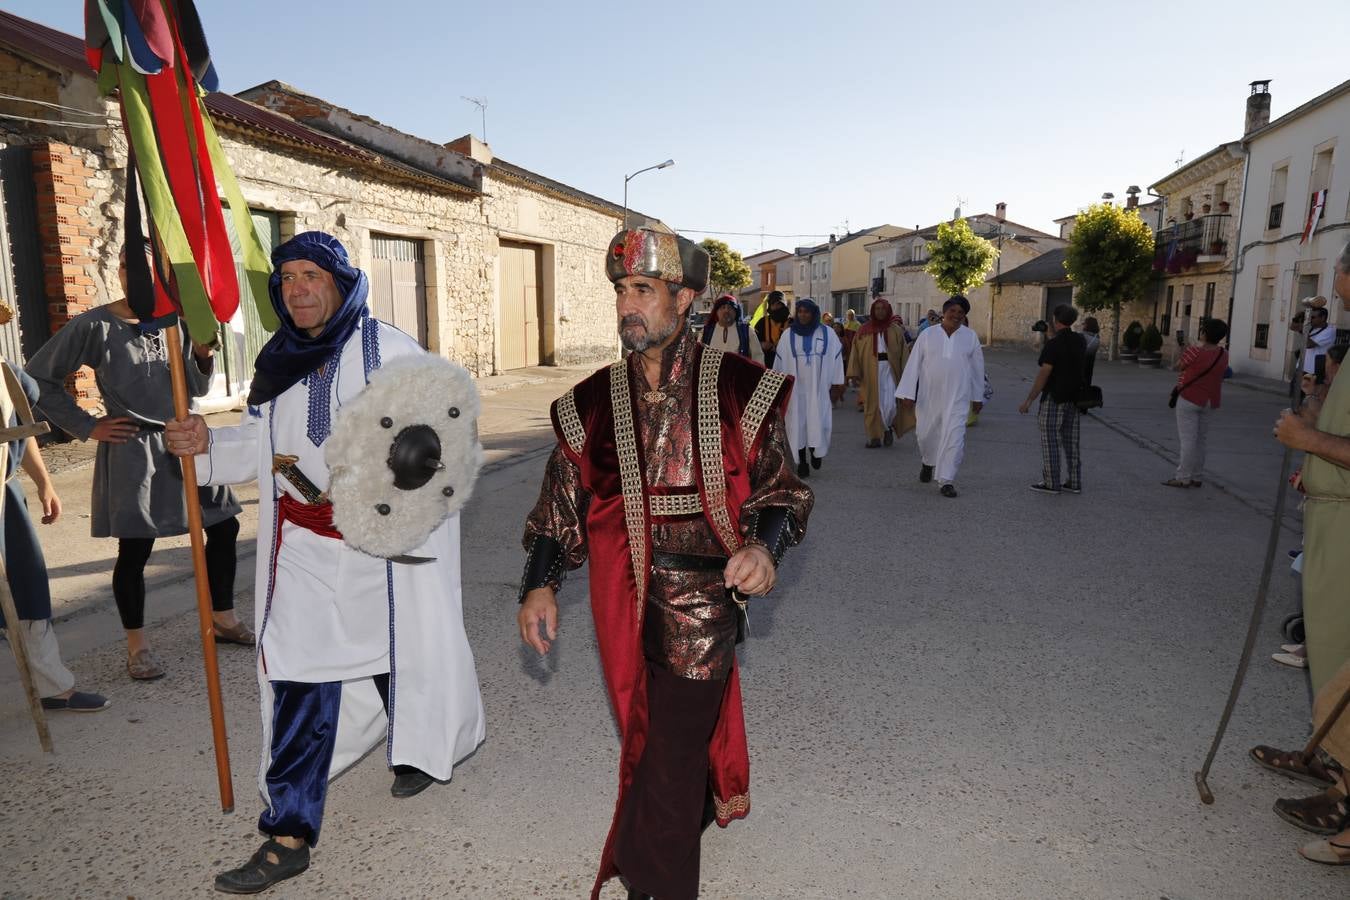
x,y
727,330
942,382
354,650
771,326
137,488
672,480
878,357
811,354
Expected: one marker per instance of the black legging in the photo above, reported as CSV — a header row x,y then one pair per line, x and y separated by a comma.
x,y
128,580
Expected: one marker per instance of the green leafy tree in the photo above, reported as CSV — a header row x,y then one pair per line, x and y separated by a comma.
x,y
727,272
1110,260
959,259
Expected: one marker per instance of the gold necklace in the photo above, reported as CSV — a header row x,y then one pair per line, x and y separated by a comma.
x,y
654,396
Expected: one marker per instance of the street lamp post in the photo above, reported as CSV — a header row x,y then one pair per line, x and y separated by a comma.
x,y
627,178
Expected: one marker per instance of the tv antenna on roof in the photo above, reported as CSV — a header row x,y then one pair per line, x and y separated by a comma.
x,y
481,103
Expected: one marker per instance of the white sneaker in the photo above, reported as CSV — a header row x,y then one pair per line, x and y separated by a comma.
x,y
1296,649
1291,660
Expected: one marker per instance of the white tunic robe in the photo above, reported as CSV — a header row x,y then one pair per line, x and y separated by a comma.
x,y
729,339
817,364
885,383
944,375
324,612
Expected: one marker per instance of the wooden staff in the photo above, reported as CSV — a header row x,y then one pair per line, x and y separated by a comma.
x,y
11,399
173,339
1306,757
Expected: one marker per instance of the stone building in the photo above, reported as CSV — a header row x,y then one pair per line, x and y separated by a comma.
x,y
837,270
485,262
898,274
1194,250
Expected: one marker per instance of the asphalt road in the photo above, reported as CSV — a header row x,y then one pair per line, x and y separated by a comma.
x,y
1003,695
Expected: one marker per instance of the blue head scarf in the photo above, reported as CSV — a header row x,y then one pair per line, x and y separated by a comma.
x,y
291,354
802,334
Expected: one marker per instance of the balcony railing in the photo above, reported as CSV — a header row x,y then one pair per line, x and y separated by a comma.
x,y
1184,245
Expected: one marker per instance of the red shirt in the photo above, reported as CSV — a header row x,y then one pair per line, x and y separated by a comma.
x,y
1198,389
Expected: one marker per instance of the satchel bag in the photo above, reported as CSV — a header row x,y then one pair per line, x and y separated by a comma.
x,y
1176,391
1089,397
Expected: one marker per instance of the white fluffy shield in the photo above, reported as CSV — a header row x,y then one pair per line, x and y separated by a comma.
x,y
408,397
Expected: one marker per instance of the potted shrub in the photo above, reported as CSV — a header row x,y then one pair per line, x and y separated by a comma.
x,y
1223,206
1129,342
1150,347
1205,209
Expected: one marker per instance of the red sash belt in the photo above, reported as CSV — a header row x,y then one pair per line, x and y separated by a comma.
x,y
317,517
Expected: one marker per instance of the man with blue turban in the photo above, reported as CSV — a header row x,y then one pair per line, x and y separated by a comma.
x,y
345,639
813,355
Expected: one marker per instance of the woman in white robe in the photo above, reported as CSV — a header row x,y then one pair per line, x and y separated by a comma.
x,y
812,354
943,378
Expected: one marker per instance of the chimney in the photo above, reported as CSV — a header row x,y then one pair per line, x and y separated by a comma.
x,y
1258,107
1001,211
1132,197
831,239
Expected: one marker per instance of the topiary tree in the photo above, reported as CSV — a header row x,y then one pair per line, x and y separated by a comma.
x,y
959,259
1110,261
1134,333
727,270
1151,341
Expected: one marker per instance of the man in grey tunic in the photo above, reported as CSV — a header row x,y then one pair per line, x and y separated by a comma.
x,y
138,485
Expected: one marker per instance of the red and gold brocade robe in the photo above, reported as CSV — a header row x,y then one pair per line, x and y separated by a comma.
x,y
634,475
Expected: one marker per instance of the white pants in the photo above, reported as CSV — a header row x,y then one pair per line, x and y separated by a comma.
x,y
44,656
1192,428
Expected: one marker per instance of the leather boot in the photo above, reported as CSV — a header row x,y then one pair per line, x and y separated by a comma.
x,y
803,467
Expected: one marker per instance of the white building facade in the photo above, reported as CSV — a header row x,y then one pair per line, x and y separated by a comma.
x,y
1298,180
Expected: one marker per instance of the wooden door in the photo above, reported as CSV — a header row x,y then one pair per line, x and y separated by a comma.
x,y
521,267
398,290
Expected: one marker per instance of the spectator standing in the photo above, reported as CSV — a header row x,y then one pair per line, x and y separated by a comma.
x,y
1196,397
1058,383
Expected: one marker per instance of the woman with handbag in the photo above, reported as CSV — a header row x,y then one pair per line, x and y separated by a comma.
x,y
1195,398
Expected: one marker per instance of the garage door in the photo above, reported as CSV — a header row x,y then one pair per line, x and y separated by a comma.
x,y
521,275
398,287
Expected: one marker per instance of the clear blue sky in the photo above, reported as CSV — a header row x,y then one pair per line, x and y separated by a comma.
x,y
793,116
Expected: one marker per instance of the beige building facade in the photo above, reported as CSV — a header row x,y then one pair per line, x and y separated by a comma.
x,y
898,275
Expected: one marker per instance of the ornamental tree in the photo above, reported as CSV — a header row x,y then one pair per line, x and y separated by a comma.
x,y
727,270
959,259
1110,261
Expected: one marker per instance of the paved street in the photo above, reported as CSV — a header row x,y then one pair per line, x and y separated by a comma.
x,y
1003,695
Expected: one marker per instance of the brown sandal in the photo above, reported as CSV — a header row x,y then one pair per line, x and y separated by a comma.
x,y
143,666
1326,813
1290,763
239,633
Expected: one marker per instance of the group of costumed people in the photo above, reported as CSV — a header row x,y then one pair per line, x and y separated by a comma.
x,y
935,384
672,477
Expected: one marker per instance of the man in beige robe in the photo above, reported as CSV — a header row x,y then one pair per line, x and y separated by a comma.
x,y
875,363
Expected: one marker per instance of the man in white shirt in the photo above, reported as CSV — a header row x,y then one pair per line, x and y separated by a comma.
x,y
727,330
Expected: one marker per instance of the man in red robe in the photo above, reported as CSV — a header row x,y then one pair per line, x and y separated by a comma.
x,y
672,475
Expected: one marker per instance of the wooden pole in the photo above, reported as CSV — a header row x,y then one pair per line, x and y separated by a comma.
x,y
18,641
173,339
12,403
1325,727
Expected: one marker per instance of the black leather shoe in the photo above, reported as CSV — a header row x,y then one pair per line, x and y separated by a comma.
x,y
409,782
803,469
926,474
948,490
815,460
259,874
890,437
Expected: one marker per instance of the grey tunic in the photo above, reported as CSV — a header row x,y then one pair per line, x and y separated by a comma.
x,y
138,486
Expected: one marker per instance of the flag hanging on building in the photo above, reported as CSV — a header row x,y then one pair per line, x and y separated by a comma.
x,y
1319,200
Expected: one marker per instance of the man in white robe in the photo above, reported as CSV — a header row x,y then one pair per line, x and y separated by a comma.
x,y
812,354
727,330
352,649
943,382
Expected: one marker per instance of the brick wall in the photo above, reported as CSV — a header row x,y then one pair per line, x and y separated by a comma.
x,y
65,185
